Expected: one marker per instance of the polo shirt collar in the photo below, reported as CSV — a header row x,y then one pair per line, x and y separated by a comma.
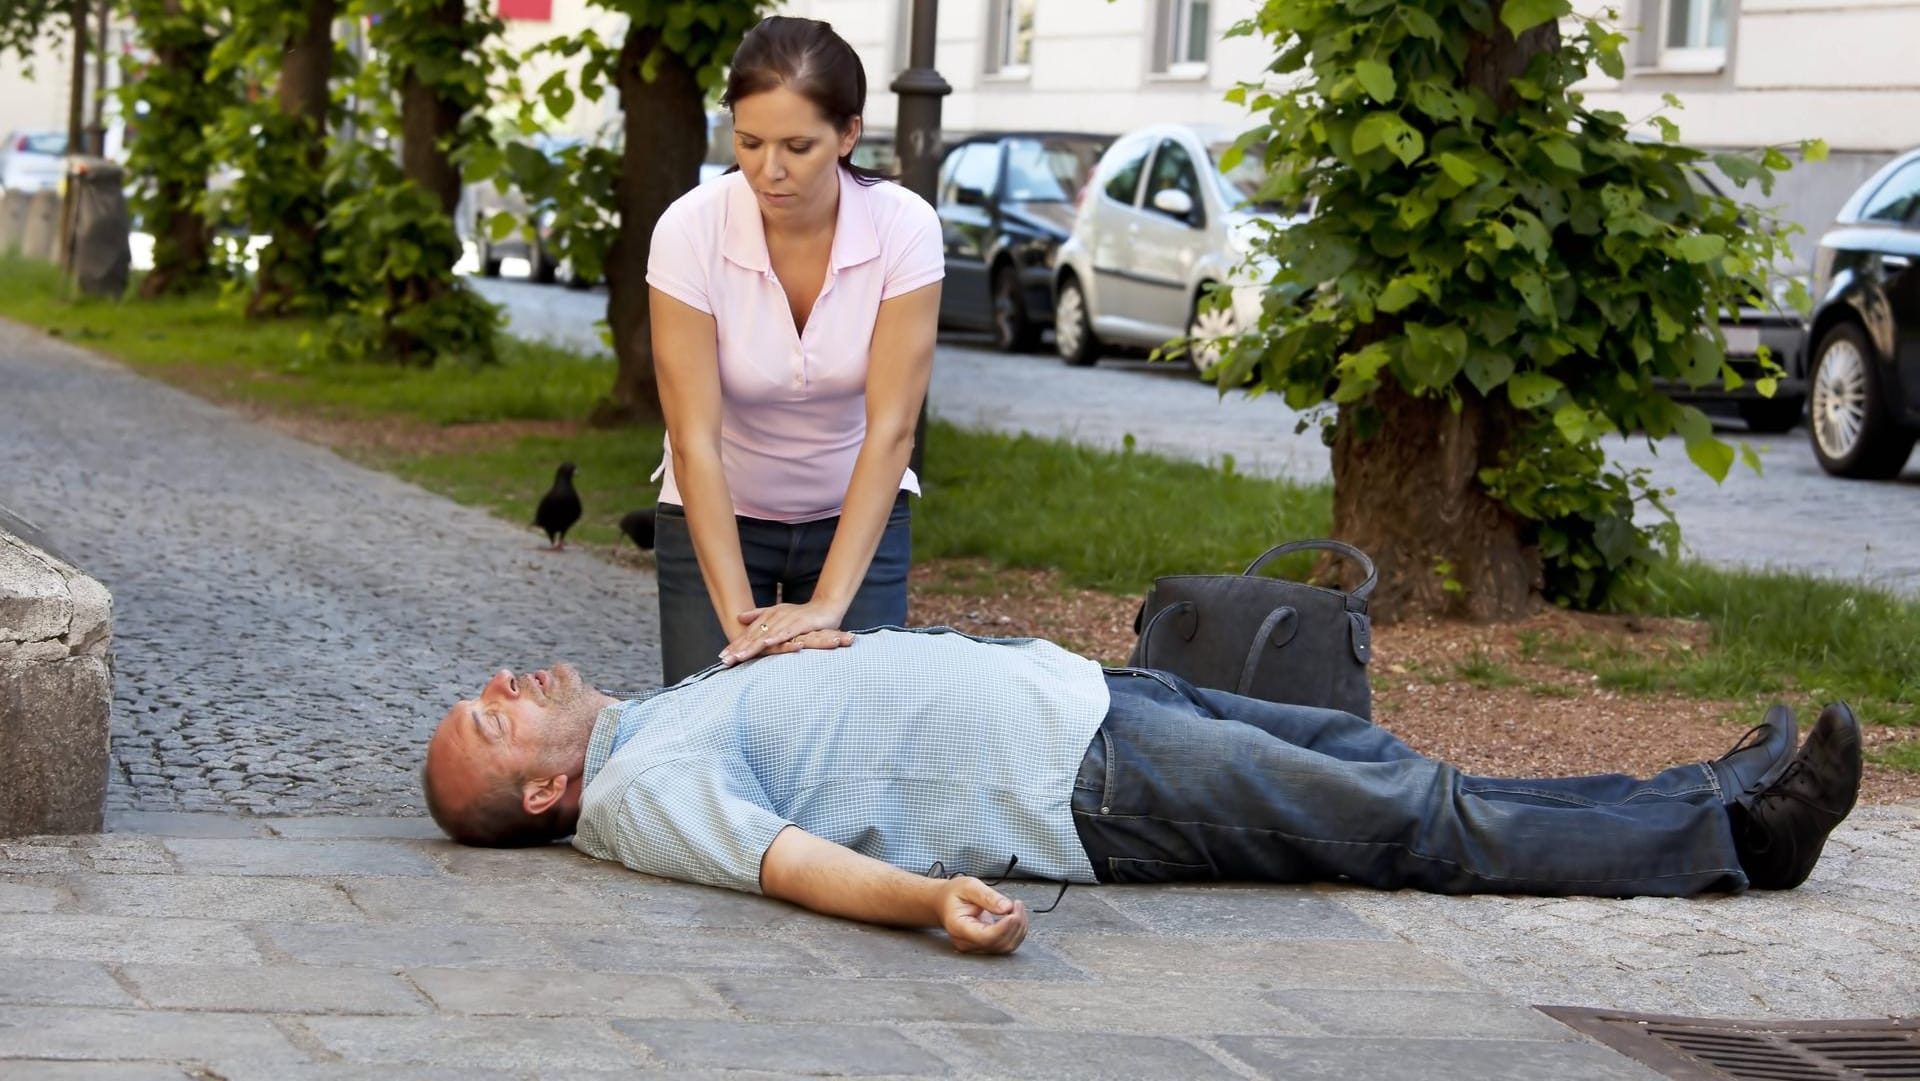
x,y
745,242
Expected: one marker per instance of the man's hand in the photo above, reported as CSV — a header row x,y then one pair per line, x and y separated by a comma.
x,y
817,874
979,919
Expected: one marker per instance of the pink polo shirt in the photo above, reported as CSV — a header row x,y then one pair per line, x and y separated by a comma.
x,y
793,405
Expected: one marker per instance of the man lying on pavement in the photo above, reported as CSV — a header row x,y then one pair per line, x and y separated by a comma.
x,y
843,773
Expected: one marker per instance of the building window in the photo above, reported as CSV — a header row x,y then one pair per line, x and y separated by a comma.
x,y
1695,35
1180,36
1010,37
902,35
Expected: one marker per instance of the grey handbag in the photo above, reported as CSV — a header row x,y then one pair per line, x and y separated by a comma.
x,y
1269,638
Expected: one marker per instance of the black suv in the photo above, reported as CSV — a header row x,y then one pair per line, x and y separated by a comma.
x,y
1864,368
1006,203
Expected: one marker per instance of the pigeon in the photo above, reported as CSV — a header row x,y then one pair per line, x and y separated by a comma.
x,y
559,508
639,526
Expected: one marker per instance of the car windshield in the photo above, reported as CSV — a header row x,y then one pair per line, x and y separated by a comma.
x,y
1049,170
876,152
41,142
1240,186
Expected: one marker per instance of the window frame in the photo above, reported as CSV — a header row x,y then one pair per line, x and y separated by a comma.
x,y
1173,41
1002,27
902,35
1687,57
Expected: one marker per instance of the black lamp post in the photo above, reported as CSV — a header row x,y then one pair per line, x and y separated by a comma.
x,y
917,135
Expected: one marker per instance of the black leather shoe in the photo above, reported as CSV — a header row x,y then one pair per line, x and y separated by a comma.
x,y
1779,832
1759,758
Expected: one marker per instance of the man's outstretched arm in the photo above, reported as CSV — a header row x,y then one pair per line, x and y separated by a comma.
x,y
817,874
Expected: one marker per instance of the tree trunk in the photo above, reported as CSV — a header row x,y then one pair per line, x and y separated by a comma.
x,y
293,261
182,246
665,128
76,144
428,121
1411,496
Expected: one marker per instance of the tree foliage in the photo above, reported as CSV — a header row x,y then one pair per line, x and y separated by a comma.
x,y
24,22
274,144
1501,245
176,98
604,196
394,232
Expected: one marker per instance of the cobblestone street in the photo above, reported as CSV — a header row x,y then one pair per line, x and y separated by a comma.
x,y
287,625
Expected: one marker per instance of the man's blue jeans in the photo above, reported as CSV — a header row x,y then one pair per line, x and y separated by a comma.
x,y
783,565
1189,784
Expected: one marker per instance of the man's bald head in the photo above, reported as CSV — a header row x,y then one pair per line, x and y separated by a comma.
x,y
503,769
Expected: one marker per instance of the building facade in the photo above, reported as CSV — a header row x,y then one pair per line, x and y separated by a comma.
x,y
1750,73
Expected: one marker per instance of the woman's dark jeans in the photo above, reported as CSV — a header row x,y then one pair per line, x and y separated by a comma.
x,y
783,565
1189,784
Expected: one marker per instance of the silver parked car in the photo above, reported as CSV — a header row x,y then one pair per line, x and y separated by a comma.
x,y
1159,224
33,161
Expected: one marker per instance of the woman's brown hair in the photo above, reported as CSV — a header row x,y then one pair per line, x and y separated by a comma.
x,y
808,58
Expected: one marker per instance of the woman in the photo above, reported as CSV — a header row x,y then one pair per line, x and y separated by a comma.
x,y
794,304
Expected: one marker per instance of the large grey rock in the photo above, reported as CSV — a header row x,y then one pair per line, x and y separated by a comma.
x,y
56,692
13,221
40,233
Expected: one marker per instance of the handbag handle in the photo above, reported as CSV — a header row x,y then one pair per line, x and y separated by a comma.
x,y
1334,546
1279,627
1187,631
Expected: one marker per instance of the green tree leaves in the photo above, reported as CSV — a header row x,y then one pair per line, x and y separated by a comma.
x,y
1390,131
1376,78
1520,16
1526,252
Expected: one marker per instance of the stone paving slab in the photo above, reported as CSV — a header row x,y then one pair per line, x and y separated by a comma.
x,y
268,958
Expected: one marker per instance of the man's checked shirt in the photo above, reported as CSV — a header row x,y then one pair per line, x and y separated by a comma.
x,y
907,746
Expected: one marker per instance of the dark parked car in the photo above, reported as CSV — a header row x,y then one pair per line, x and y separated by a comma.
x,y
1006,202
1864,365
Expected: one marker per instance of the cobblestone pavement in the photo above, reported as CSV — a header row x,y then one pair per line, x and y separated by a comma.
x,y
287,626
1791,516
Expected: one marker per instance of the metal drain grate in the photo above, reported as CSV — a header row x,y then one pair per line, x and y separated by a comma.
x,y
1704,1049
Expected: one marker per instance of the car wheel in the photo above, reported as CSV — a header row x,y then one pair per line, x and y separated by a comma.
x,y
1853,436
1013,332
489,262
1204,326
540,267
1771,416
1072,329
570,277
